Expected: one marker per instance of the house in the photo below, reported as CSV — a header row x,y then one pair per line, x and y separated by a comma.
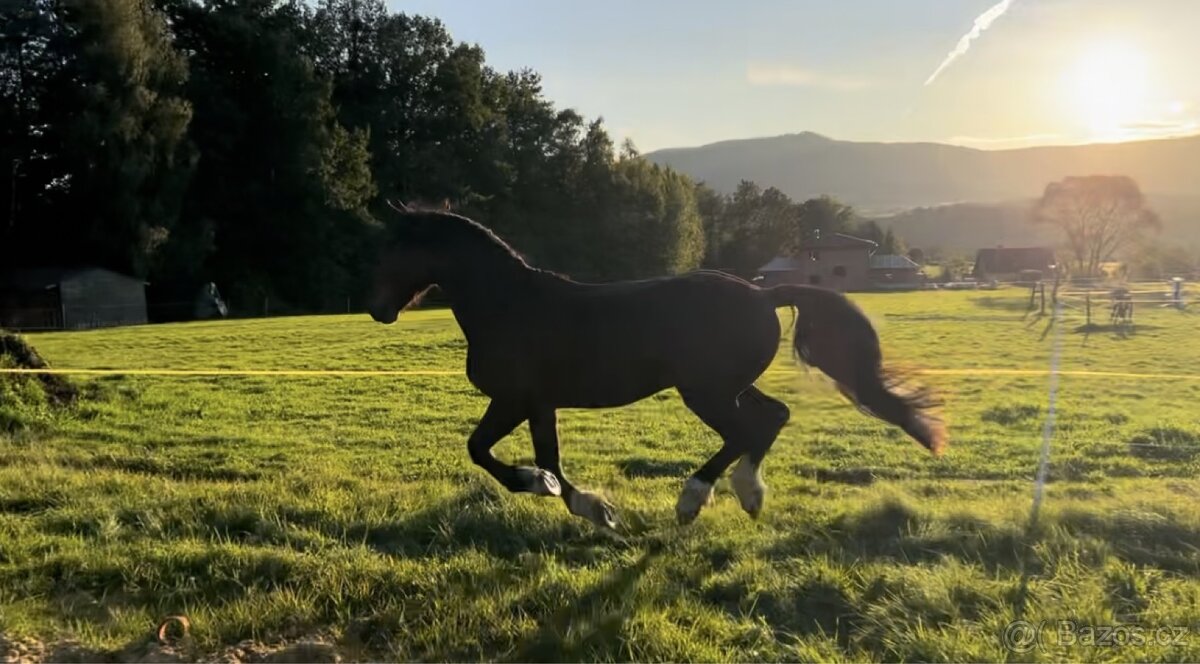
x,y
1009,263
70,298
839,262
895,272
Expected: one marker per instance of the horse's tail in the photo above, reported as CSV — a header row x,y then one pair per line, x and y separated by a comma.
x,y
835,336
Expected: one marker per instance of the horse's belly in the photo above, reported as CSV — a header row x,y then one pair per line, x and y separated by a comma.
x,y
615,384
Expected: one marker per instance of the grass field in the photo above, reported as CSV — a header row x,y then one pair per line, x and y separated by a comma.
x,y
345,508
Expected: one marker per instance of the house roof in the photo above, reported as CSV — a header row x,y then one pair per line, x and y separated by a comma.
x,y
893,262
839,241
48,277
782,264
1003,260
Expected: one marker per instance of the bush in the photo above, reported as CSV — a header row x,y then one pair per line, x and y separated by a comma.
x,y
26,399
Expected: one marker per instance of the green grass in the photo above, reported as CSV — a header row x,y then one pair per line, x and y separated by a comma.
x,y
277,508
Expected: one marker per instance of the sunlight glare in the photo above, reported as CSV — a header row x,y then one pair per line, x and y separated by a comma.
x,y
1108,89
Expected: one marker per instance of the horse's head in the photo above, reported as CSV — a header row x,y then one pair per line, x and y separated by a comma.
x,y
408,262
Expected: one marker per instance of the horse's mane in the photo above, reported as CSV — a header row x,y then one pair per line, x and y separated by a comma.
x,y
440,228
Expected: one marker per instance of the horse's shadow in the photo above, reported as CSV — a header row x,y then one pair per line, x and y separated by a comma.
x,y
480,517
1120,331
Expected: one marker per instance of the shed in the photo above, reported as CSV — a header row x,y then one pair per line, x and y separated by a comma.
x,y
70,298
1007,263
893,271
840,262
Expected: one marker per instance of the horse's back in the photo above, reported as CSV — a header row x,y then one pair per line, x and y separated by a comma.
x,y
610,344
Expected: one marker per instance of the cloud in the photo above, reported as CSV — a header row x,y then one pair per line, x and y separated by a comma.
x,y
1160,128
1157,125
1131,131
768,75
982,22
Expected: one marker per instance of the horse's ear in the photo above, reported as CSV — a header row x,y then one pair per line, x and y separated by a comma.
x,y
398,206
446,204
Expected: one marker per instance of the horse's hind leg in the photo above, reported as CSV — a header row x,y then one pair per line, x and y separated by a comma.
x,y
765,416
497,422
722,415
543,425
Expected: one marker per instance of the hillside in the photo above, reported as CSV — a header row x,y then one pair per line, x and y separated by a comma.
x,y
887,177
948,195
964,227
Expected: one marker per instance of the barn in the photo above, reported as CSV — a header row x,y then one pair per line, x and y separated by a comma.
x,y
70,299
840,262
895,272
1013,263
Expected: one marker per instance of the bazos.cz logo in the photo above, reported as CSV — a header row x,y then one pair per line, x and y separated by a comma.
x,y
1021,636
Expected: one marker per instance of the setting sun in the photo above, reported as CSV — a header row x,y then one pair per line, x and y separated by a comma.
x,y
1108,89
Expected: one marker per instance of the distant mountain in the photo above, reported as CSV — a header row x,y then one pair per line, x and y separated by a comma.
x,y
971,197
882,177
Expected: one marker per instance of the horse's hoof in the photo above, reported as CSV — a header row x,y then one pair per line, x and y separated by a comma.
x,y
748,485
593,508
538,481
696,494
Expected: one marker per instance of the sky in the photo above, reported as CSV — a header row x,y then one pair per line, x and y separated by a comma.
x,y
674,73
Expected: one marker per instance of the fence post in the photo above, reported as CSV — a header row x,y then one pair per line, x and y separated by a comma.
x,y
1088,307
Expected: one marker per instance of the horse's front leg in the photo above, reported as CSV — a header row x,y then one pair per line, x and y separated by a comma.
x,y
543,424
499,421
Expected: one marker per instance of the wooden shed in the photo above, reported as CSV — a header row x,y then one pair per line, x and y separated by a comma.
x,y
70,299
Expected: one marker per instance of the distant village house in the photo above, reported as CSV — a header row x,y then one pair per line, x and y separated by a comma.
x,y
844,263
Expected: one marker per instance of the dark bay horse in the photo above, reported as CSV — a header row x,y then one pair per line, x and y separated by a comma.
x,y
538,342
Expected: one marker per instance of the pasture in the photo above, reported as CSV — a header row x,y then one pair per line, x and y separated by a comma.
x,y
344,508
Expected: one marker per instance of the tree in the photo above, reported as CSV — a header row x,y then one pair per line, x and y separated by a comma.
x,y
1099,215
710,205
1158,261
629,217
277,207
823,216
955,268
442,124
890,243
247,141
757,225
93,102
749,227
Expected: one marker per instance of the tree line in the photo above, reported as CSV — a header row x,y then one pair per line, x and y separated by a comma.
x,y
253,143
747,228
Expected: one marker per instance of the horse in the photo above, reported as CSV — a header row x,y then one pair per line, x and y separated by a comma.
x,y
1122,308
538,341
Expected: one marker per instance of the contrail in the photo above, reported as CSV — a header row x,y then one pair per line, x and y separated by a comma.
x,y
983,22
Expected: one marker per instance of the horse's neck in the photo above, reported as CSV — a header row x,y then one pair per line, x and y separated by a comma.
x,y
481,295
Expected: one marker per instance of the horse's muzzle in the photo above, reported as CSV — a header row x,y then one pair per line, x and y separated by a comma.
x,y
384,316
